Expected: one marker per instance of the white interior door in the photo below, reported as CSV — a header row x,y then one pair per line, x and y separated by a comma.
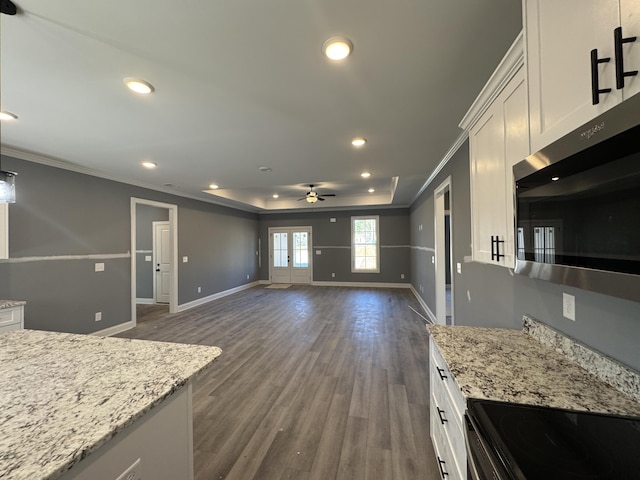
x,y
290,255
161,262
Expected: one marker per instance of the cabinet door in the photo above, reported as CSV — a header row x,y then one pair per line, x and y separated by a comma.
x,y
488,209
630,22
560,37
516,148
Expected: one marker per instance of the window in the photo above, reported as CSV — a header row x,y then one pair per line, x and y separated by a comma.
x,y
365,250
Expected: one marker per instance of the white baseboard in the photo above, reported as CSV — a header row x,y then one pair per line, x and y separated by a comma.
x,y
215,296
430,315
107,332
362,284
145,301
264,282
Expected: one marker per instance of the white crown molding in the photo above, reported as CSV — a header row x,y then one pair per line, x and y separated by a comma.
x,y
504,72
72,167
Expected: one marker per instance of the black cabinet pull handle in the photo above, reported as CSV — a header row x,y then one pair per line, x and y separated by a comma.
x,y
441,373
495,248
440,414
618,41
595,81
440,464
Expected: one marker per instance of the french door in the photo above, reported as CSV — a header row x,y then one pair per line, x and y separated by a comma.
x,y
290,255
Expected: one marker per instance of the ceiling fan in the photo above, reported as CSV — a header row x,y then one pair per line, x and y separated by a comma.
x,y
312,196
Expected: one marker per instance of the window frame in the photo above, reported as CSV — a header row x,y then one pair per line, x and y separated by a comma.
x,y
353,244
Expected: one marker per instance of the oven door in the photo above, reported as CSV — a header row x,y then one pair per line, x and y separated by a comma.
x,y
479,463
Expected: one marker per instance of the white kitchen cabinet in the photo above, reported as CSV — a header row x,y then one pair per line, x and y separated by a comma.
x,y
446,418
560,38
12,318
498,138
4,230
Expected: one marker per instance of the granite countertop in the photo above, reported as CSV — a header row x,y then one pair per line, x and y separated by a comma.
x,y
64,395
11,303
511,366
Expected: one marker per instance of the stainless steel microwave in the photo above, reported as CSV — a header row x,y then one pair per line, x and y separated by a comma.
x,y
578,207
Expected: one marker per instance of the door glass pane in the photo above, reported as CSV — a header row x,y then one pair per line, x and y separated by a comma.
x,y
300,250
280,249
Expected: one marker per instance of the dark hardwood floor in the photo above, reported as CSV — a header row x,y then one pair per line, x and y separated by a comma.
x,y
313,383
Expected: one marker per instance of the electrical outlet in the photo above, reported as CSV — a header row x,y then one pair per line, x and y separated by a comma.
x,y
99,267
134,472
247,276
98,316
433,259
569,306
199,289
185,259
402,275
333,275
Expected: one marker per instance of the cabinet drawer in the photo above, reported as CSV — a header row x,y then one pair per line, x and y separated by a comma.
x,y
9,316
450,424
444,455
441,378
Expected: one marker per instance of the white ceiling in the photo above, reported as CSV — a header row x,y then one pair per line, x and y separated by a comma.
x,y
242,84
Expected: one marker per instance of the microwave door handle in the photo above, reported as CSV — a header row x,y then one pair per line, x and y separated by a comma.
x,y
618,41
595,81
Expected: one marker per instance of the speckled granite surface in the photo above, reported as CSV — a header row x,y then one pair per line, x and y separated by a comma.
x,y
11,303
62,396
510,366
607,369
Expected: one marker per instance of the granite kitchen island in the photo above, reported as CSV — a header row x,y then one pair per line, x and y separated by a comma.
x,y
81,406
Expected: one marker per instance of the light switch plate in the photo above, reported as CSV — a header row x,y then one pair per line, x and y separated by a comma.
x,y
318,252
134,472
569,306
332,219
185,259
147,258
459,267
99,267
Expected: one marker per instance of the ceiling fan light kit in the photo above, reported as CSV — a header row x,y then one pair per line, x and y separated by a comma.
x,y
312,196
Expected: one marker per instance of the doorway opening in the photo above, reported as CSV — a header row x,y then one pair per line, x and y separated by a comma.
x,y
154,256
444,253
290,259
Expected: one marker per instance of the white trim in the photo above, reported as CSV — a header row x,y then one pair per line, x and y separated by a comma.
x,y
290,231
96,256
173,225
264,282
361,284
215,296
425,307
448,156
509,65
441,249
145,301
107,332
423,249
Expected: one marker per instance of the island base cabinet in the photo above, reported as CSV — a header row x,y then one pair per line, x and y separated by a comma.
x,y
162,440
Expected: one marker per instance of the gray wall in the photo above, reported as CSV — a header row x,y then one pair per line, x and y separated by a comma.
x,y
63,213
334,241
498,298
145,216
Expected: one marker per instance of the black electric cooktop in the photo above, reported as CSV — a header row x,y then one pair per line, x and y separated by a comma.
x,y
539,443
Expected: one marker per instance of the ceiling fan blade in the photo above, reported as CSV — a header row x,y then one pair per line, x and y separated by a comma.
x,y
303,198
320,198
328,194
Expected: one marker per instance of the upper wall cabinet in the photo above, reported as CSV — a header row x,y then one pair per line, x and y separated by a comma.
x,y
498,124
581,60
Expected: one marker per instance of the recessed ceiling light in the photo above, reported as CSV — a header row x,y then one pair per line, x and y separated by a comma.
x,y
149,165
371,190
138,86
365,174
358,141
214,186
555,179
264,169
275,195
337,48
8,116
